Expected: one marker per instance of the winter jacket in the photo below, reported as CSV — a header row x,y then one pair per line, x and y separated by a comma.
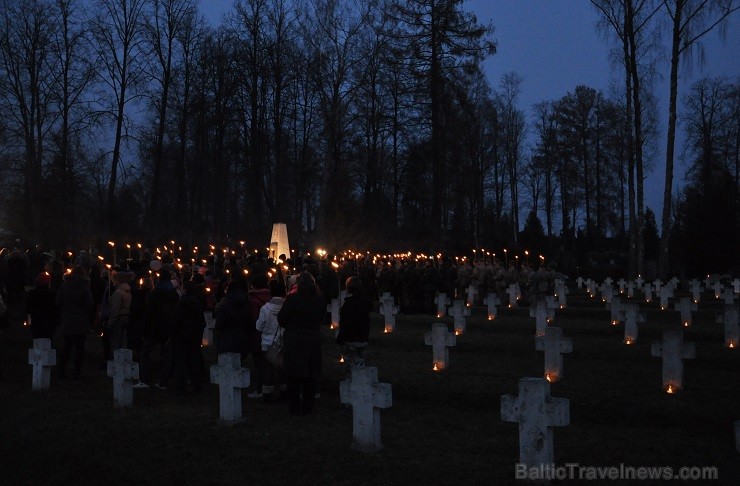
x,y
267,322
354,320
75,303
160,312
232,321
300,316
120,304
189,320
41,306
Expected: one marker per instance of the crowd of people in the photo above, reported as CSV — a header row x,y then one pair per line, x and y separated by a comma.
x,y
158,308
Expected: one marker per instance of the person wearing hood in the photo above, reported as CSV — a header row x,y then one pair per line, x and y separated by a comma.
x,y
120,304
41,308
267,325
75,304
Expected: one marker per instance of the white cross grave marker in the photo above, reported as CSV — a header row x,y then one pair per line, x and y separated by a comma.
x,y
512,291
673,351
230,377
579,282
632,317
342,296
630,289
442,302
639,281
695,289
666,293
537,412
553,344
333,309
617,310
732,326
736,285
492,301
648,291
440,340
42,358
717,287
607,293
541,316
208,330
389,311
728,296
459,312
123,370
685,306
367,397
472,292
561,291
621,282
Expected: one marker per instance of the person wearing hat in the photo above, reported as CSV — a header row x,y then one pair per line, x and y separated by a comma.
x,y
41,308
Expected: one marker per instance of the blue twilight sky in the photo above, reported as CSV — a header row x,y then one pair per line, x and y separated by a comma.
x,y
555,46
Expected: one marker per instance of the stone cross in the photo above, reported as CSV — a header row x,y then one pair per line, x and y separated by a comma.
x,y
230,377
561,291
732,326
123,370
591,288
553,344
632,317
333,309
42,358
617,310
607,292
666,292
387,297
459,312
472,292
728,296
648,291
209,329
608,281
540,313
343,295
630,289
367,397
717,287
440,340
492,301
736,285
537,412
685,306
639,281
695,289
657,285
673,351
513,295
673,282
442,302
579,282
389,311
621,282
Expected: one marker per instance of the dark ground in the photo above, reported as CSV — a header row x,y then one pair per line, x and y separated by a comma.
x,y
443,428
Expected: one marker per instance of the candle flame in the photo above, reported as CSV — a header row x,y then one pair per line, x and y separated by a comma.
x,y
341,359
458,332
628,341
491,317
614,323
670,389
731,345
549,378
686,324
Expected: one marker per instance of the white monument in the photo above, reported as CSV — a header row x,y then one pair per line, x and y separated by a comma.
x,y
279,241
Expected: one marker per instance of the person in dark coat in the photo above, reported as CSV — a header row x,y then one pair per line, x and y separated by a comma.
x,y
354,323
158,325
232,319
140,291
41,308
186,339
76,307
258,296
301,316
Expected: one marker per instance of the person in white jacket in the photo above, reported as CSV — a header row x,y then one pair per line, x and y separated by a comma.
x,y
267,324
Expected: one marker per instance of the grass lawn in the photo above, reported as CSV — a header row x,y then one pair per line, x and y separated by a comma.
x,y
443,427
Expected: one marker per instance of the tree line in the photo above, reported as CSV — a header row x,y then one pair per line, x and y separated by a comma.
x,y
358,123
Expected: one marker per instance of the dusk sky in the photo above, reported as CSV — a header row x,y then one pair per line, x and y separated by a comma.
x,y
555,46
